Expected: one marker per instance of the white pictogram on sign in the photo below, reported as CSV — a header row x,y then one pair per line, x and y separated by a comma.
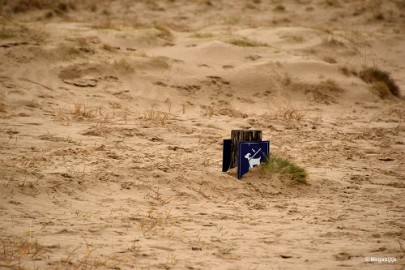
x,y
253,161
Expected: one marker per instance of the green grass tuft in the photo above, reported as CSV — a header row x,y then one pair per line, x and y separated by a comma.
x,y
284,167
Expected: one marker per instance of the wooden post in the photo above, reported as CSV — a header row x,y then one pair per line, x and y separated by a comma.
x,y
242,136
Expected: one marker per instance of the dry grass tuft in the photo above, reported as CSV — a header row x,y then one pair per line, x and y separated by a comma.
x,y
164,32
36,35
6,33
288,113
80,111
322,92
62,52
83,260
381,81
332,3
279,8
331,86
333,42
83,41
67,52
58,6
123,65
155,118
53,138
159,62
207,111
22,32
329,59
395,115
106,25
244,42
347,71
14,251
286,79
154,220
202,35
108,47
293,38
2,107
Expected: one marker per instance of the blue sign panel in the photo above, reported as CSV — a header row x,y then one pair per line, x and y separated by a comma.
x,y
251,154
226,155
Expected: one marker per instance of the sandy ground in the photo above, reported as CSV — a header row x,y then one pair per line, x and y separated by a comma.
x,y
112,116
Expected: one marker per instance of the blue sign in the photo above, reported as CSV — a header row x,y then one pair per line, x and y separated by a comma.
x,y
251,154
226,155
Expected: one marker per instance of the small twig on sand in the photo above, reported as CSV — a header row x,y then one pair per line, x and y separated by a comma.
x,y
402,248
13,44
37,83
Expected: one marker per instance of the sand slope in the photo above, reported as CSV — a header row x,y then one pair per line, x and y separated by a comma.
x,y
112,117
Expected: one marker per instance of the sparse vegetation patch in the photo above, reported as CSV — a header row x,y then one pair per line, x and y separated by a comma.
x,y
164,33
285,168
245,42
329,59
59,6
288,113
380,80
27,34
331,86
160,62
202,35
80,111
332,41
123,65
381,89
279,8
6,33
347,71
155,118
15,250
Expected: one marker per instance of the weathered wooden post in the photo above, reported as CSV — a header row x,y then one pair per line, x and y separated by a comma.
x,y
242,135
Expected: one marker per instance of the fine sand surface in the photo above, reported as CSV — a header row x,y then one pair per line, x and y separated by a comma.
x,y
112,116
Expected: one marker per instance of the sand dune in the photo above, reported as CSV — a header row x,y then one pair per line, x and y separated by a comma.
x,y
112,116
